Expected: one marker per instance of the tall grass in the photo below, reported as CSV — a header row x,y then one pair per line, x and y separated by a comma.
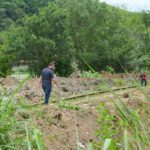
x,y
134,124
7,119
138,131
12,133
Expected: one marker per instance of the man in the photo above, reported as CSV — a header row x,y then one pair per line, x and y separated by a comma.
x,y
143,78
47,77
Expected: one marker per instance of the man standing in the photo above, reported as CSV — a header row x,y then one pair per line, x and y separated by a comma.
x,y
143,78
47,77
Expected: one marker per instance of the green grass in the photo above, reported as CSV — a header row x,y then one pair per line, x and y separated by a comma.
x,y
128,124
14,134
63,105
125,129
90,74
122,127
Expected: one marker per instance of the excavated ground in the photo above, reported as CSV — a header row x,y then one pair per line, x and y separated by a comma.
x,y
61,128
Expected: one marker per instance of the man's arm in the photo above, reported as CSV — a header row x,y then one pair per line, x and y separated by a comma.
x,y
54,81
40,80
53,76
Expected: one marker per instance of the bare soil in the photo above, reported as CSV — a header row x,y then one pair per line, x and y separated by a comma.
x,y
61,128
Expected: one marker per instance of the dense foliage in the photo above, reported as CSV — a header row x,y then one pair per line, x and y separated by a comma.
x,y
73,33
11,10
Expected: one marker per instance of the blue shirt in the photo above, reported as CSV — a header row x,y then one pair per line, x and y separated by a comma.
x,y
47,75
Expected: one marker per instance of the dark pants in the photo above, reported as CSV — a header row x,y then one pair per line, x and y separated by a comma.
x,y
143,82
47,90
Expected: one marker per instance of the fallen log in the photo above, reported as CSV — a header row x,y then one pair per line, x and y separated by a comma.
x,y
94,93
89,94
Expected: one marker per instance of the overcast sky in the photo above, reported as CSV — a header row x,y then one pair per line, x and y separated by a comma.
x,y
132,5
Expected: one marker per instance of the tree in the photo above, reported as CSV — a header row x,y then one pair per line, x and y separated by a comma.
x,y
76,31
43,38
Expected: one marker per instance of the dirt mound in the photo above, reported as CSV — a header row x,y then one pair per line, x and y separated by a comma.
x,y
73,86
9,82
108,75
67,87
61,128
32,90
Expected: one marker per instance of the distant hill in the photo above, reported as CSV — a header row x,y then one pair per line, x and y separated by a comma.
x,y
11,10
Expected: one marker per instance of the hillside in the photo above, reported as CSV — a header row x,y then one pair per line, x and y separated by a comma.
x,y
85,122
12,10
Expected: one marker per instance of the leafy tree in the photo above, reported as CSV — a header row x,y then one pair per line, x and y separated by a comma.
x,y
43,38
73,32
12,10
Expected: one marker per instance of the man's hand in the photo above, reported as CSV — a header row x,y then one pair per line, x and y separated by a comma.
x,y
39,81
54,81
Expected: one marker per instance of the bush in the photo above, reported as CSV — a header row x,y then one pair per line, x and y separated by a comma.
x,y
120,82
5,65
110,69
90,74
15,134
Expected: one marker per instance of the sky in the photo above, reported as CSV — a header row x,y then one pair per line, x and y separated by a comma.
x,y
132,5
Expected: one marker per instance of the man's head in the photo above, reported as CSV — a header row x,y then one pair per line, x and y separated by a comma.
x,y
51,65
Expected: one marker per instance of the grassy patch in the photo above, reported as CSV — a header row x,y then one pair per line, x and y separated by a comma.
x,y
14,132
